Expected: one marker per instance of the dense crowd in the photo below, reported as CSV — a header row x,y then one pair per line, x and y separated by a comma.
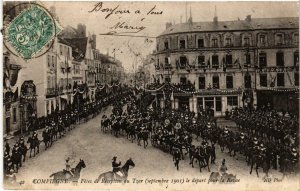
x,y
172,131
54,127
265,138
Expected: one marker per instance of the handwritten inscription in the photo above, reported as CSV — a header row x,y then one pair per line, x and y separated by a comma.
x,y
124,26
115,10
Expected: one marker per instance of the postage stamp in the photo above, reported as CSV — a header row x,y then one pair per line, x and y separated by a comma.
x,y
30,31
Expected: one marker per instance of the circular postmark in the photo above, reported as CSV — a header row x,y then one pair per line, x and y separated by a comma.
x,y
29,30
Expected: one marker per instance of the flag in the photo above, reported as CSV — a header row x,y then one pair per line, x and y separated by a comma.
x,y
177,64
188,67
172,96
224,64
273,81
238,61
208,63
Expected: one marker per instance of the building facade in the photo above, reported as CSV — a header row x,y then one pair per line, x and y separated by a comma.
x,y
225,64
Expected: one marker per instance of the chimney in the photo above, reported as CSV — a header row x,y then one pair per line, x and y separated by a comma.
x,y
81,30
215,16
93,41
168,25
216,20
248,18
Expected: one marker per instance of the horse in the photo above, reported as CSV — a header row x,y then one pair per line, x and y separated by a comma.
x,y
65,175
260,161
46,139
34,144
113,176
217,177
105,125
115,129
202,155
16,159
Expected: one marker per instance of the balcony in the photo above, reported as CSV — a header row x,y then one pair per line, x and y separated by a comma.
x,y
50,91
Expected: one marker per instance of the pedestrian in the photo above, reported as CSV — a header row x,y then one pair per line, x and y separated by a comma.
x,y
176,157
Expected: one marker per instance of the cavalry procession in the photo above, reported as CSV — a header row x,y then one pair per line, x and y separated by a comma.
x,y
52,128
263,138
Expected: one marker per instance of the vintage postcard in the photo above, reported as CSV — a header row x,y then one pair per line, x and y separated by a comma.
x,y
150,95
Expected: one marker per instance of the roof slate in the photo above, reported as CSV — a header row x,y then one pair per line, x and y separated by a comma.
x,y
255,23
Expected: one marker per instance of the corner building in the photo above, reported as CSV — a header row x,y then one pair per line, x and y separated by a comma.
x,y
241,63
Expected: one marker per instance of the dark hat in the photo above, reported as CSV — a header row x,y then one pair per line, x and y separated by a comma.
x,y
114,158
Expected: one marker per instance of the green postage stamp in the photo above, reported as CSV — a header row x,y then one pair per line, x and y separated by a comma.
x,y
30,31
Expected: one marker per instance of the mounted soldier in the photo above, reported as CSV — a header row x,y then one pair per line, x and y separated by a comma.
x,y
116,166
69,164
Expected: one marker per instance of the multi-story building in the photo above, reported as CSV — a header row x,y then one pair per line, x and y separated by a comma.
x,y
64,75
11,99
84,46
225,64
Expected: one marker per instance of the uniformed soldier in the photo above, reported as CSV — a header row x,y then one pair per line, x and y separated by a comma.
x,y
115,165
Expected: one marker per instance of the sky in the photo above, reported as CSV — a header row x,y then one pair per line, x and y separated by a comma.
x,y
131,50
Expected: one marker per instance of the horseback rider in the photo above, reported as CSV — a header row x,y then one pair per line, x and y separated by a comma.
x,y
68,166
115,165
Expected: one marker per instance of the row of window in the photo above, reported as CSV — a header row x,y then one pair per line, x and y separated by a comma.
x,y
279,40
228,60
280,79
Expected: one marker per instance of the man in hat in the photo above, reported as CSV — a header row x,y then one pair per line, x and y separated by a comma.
x,y
115,165
176,157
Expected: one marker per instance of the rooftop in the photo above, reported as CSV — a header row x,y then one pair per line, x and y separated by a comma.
x,y
251,24
78,47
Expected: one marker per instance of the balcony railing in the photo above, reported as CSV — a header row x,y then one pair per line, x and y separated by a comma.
x,y
50,91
